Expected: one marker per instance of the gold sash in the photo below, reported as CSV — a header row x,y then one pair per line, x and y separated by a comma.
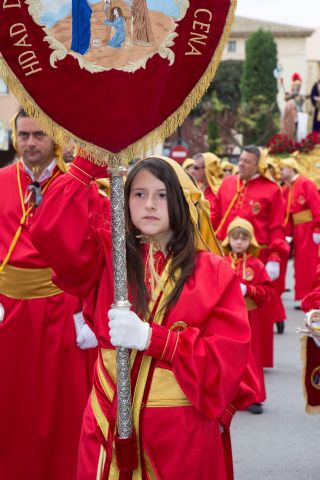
x,y
164,391
27,283
302,217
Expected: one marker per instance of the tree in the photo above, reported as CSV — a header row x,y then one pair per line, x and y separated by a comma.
x,y
226,83
217,111
259,115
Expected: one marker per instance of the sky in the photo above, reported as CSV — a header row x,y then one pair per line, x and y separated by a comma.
x,y
302,13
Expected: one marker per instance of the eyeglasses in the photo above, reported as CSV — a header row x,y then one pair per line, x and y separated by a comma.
x,y
195,167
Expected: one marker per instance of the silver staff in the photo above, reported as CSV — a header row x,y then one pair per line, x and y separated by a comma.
x,y
120,293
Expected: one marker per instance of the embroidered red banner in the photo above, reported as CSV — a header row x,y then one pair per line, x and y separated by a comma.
x,y
311,375
113,75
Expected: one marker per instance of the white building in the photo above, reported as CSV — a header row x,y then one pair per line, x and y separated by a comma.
x,y
291,45
313,58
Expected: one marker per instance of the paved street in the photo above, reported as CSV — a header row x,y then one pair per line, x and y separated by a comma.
x,y
284,442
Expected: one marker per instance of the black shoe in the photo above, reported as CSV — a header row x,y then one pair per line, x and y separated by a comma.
x,y
287,289
297,307
280,327
255,408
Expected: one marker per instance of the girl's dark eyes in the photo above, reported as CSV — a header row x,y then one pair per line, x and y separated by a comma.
x,y
141,194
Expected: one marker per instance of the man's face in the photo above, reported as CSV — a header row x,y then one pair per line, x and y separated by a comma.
x,y
248,165
198,169
286,173
35,147
68,155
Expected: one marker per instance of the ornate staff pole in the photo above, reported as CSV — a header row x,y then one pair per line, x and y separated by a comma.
x,y
120,293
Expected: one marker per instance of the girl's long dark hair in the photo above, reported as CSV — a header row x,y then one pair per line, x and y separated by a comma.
x,y
181,246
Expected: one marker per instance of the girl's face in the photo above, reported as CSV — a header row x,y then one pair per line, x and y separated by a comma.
x,y
149,208
239,243
115,12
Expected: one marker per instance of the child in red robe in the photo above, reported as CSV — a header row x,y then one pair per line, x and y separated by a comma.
x,y
188,328
242,248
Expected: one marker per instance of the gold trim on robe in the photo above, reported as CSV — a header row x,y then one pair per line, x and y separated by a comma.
x,y
149,468
101,463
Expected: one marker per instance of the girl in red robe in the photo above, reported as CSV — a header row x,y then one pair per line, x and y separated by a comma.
x,y
188,328
242,248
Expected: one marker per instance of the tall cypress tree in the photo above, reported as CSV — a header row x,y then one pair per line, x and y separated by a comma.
x,y
259,89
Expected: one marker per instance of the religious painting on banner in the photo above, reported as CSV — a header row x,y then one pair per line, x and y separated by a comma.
x,y
114,76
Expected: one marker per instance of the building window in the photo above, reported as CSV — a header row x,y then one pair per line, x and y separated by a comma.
x,y
3,87
232,44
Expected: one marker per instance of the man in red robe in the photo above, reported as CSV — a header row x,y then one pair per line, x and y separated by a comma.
x,y
253,196
303,224
45,363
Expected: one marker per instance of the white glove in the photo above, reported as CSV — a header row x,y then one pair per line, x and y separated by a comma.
x,y
289,239
1,313
316,238
273,270
127,330
85,337
243,289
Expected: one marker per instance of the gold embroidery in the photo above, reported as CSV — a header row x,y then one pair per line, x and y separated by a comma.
x,y
179,326
315,378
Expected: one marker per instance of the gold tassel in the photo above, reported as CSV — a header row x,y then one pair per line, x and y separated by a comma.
x,y
99,155
155,278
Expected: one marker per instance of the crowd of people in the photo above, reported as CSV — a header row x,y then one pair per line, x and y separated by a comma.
x,y
207,248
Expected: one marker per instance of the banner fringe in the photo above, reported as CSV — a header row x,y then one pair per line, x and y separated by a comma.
x,y
99,155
